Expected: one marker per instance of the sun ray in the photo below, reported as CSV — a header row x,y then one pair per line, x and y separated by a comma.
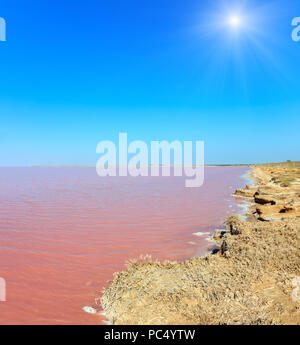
x,y
238,35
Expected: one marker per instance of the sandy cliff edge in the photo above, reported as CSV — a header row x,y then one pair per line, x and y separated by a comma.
x,y
251,280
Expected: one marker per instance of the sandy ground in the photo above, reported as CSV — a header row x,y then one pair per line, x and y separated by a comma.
x,y
254,278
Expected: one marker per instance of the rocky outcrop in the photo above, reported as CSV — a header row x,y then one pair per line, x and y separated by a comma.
x,y
247,192
264,200
271,199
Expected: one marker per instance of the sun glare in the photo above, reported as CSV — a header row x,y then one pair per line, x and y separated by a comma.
x,y
234,21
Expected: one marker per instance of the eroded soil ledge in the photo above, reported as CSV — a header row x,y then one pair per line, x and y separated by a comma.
x,y
249,281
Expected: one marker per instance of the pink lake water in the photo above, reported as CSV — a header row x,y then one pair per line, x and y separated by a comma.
x,y
64,231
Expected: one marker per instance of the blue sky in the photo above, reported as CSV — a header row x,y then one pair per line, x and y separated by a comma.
x,y
77,72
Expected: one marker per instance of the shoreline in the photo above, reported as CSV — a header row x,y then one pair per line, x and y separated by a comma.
x,y
241,207
249,280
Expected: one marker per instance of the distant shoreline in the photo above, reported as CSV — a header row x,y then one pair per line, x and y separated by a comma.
x,y
253,165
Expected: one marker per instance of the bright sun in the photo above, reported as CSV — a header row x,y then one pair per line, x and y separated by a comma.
x,y
234,21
